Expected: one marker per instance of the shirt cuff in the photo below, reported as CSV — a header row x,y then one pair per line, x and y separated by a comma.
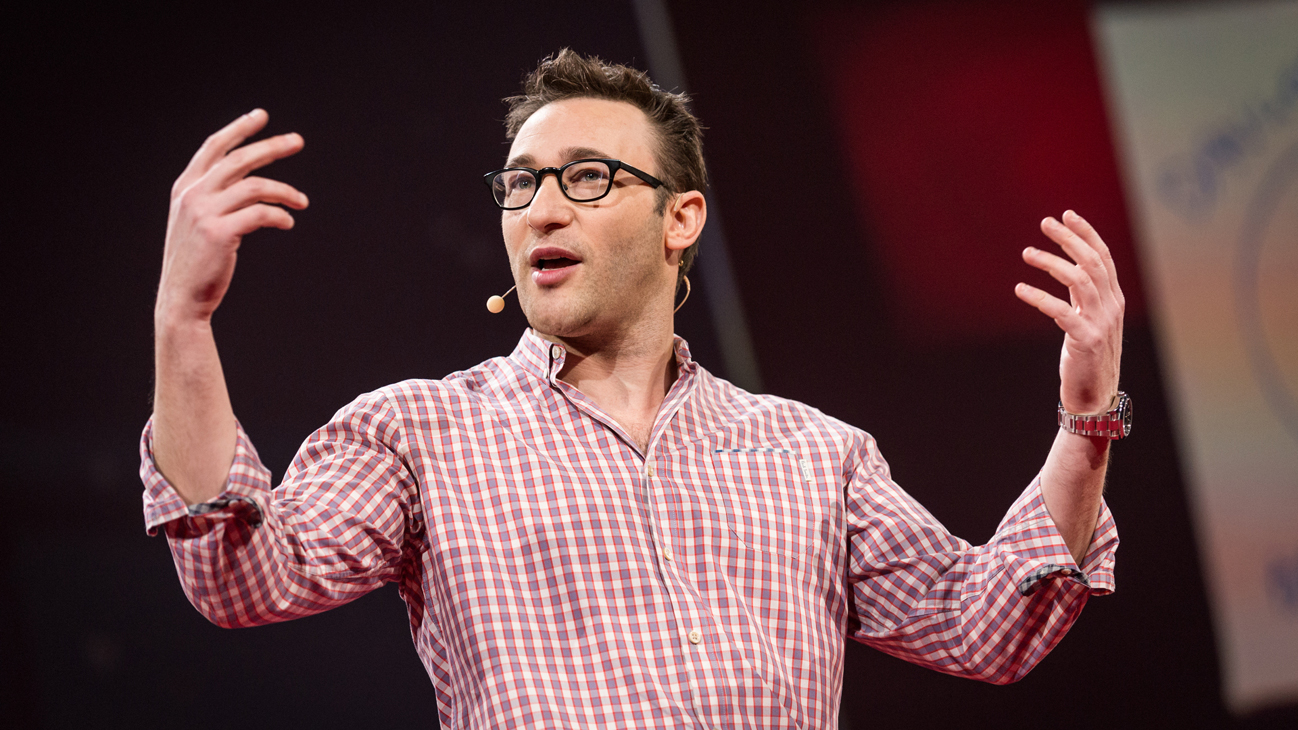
x,y
1036,551
247,488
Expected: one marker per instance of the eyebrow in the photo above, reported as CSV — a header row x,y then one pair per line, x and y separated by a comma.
x,y
568,155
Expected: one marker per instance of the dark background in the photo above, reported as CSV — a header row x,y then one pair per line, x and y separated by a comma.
x,y
385,276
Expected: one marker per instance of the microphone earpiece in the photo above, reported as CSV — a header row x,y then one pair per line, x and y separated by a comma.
x,y
496,303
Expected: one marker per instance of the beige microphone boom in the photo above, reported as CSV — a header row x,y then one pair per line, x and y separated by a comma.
x,y
496,303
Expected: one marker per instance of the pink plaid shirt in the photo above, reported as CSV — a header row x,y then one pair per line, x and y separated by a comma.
x,y
558,577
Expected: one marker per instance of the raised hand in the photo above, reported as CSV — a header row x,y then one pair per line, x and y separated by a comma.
x,y
1091,320
214,204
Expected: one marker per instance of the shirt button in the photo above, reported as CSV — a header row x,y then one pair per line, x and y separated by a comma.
x,y
667,553
649,470
694,636
556,352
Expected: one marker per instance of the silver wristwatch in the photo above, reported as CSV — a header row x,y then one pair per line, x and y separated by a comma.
x,y
1116,424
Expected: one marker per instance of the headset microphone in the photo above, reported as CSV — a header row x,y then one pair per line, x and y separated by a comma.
x,y
496,304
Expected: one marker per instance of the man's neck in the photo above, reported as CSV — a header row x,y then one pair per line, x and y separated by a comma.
x,y
627,375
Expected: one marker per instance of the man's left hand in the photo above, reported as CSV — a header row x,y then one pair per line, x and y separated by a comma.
x,y
1091,320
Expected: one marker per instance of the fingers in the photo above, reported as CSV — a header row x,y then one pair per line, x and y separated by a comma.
x,y
1087,233
1079,250
220,162
245,221
216,146
1067,273
1053,307
244,160
259,190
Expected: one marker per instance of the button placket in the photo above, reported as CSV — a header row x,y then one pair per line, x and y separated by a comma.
x,y
683,613
660,536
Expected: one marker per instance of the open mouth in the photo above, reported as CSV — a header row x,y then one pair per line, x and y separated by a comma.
x,y
557,262
552,265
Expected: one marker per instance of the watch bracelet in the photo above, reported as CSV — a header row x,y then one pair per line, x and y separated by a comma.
x,y
1104,425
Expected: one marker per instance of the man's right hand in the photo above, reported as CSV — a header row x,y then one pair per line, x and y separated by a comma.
x,y
214,204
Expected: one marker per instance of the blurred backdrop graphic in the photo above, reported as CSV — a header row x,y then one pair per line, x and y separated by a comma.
x,y
877,168
1205,102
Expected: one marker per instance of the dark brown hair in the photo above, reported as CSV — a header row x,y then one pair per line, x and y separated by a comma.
x,y
679,148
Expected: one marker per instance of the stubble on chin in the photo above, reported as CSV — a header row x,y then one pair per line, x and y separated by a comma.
x,y
559,319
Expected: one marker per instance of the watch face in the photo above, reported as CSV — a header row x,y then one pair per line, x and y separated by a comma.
x,y
1125,407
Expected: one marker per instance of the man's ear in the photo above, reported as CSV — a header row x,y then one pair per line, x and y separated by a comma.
x,y
685,218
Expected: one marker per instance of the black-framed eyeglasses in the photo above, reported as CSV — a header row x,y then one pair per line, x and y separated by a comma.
x,y
580,180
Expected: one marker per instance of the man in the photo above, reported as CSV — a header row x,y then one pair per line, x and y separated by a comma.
x,y
595,531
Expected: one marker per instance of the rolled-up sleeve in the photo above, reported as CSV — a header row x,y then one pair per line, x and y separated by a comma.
x,y
988,612
341,524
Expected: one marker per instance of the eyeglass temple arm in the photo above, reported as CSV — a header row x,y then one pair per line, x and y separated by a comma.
x,y
653,181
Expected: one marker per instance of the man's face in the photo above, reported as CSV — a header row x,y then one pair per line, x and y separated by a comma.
x,y
594,268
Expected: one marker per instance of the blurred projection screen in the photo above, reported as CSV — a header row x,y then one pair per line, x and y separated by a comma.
x,y
1204,103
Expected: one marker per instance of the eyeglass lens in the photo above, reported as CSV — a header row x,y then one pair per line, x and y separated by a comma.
x,y
581,181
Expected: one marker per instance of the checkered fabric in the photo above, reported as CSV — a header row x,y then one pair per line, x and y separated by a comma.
x,y
557,577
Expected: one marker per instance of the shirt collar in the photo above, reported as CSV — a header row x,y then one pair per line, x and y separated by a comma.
x,y
544,359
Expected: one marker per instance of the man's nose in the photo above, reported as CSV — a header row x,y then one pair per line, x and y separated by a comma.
x,y
550,208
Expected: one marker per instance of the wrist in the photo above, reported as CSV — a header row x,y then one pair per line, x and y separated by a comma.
x,y
1093,406
174,328
169,316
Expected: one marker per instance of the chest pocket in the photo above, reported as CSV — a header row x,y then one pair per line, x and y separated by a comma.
x,y
772,501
